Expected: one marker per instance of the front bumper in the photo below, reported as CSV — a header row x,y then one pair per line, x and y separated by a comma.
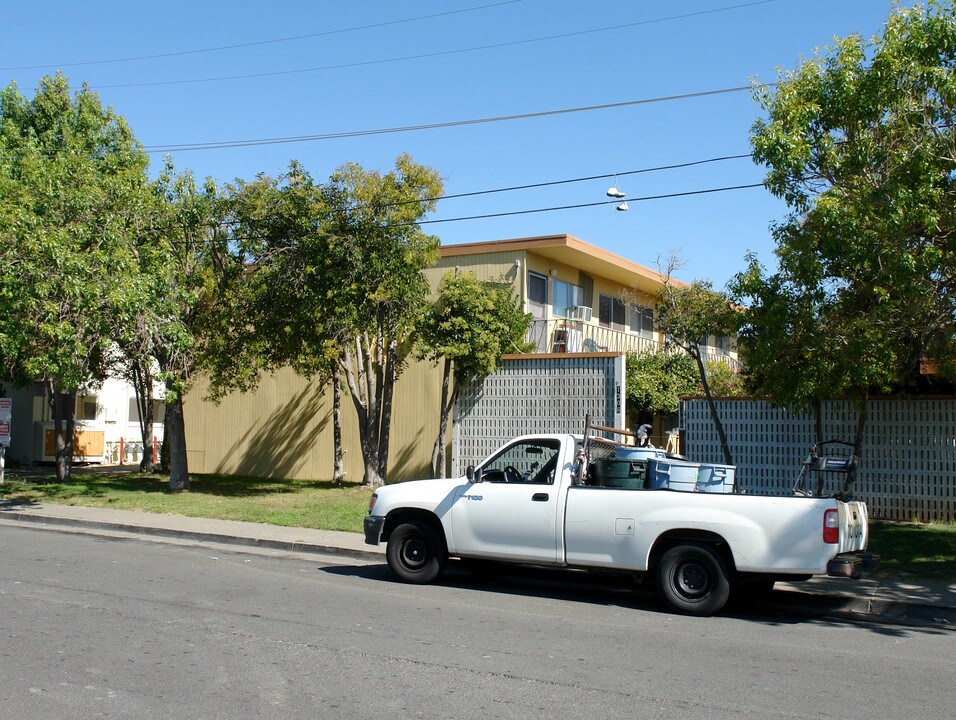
x,y
852,565
373,529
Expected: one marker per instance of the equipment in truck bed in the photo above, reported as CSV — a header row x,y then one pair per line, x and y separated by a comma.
x,y
818,465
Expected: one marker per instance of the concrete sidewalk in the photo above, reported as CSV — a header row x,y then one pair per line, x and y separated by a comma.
x,y
875,599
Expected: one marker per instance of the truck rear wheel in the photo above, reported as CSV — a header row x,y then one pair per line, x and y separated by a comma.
x,y
693,579
415,553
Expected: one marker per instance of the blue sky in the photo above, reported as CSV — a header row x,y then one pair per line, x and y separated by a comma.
x,y
372,65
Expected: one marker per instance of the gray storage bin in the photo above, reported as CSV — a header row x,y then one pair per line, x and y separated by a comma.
x,y
672,474
716,478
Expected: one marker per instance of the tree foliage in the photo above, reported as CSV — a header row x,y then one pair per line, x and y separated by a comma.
x,y
688,314
469,327
859,141
656,380
378,252
72,194
291,322
196,290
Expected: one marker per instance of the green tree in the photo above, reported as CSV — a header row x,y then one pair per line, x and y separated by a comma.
x,y
469,327
72,190
198,272
688,314
657,379
859,141
288,289
377,252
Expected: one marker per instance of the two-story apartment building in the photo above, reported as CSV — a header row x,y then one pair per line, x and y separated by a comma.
x,y
583,299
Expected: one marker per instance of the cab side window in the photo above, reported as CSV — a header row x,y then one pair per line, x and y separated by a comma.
x,y
529,461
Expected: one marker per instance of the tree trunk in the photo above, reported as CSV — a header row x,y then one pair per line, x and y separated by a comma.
x,y
388,391
143,389
363,398
176,437
712,406
338,463
438,451
818,420
861,425
63,411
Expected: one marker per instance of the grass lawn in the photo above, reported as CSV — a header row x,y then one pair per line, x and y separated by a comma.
x,y
924,551
300,503
908,550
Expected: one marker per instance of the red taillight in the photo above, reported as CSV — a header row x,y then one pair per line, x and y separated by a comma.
x,y
831,526
371,502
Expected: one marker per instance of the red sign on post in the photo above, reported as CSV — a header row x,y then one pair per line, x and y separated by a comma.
x,y
4,432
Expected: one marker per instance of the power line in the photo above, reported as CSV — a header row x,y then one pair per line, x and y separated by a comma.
x,y
443,53
605,176
551,183
581,205
510,213
257,43
227,144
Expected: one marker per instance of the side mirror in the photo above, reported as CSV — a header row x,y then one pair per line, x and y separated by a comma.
x,y
473,474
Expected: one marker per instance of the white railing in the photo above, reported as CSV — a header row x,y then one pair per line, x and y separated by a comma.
x,y
562,336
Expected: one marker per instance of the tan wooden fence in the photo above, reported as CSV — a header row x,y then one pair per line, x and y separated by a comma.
x,y
908,463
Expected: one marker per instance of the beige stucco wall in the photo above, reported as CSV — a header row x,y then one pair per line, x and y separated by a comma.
x,y
284,428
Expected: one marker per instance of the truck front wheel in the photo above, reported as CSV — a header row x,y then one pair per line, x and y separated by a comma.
x,y
693,579
415,553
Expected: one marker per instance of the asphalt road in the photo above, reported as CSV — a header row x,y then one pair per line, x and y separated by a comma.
x,y
93,627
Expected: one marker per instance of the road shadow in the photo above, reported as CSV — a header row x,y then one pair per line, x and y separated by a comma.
x,y
778,609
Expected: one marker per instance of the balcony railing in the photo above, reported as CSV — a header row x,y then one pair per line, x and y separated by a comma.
x,y
570,336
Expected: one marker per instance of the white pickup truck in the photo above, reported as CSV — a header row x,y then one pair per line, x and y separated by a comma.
x,y
527,504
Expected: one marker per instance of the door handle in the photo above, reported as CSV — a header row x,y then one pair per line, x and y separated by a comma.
x,y
539,497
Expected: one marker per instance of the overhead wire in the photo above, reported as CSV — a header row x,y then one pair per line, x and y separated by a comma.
x,y
228,144
441,53
644,198
257,43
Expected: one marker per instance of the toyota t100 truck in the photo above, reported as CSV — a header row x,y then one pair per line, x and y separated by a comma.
x,y
533,502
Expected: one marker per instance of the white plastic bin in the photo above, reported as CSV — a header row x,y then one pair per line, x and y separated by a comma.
x,y
716,478
672,474
639,453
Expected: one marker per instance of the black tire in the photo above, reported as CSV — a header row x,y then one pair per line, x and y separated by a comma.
x,y
693,579
416,553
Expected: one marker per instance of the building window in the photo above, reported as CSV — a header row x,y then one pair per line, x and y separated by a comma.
x,y
642,321
611,312
565,296
87,408
537,288
159,411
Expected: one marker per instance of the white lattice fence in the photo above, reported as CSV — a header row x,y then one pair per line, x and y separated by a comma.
x,y
536,395
908,466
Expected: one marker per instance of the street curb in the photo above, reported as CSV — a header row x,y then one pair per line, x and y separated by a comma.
x,y
286,545
867,609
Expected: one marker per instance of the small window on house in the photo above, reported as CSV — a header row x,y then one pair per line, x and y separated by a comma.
x,y
611,312
159,411
537,288
642,321
723,343
565,296
87,408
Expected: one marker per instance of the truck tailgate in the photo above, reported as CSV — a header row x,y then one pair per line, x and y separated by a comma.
x,y
854,528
